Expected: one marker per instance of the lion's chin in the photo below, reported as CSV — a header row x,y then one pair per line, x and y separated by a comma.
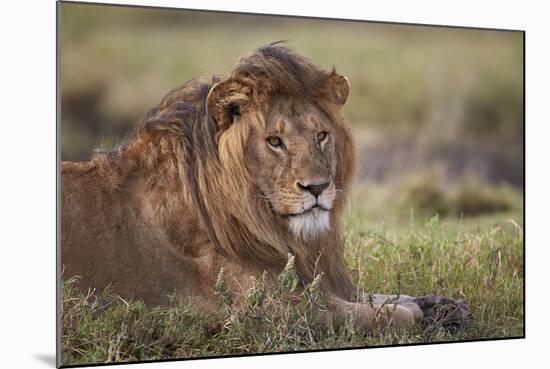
x,y
311,224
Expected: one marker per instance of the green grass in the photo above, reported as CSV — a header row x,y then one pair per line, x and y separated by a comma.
x,y
479,259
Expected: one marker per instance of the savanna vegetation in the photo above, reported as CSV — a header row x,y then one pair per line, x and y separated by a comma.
x,y
437,208
479,259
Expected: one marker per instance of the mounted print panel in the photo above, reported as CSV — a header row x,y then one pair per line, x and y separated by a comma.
x,y
238,184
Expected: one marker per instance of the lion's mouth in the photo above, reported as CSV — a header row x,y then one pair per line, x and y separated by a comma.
x,y
315,209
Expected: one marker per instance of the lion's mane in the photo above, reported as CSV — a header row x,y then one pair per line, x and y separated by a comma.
x,y
188,159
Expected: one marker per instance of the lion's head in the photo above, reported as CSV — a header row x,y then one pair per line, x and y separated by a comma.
x,y
285,112
263,155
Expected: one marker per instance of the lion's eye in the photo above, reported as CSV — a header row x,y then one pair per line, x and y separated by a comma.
x,y
275,141
321,136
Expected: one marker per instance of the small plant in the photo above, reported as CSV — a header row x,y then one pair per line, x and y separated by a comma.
x,y
287,279
221,289
258,293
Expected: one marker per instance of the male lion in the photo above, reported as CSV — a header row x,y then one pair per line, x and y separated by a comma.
x,y
232,173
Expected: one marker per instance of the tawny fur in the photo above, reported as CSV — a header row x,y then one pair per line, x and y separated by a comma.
x,y
165,211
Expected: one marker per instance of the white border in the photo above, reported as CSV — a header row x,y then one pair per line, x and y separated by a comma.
x,y
27,145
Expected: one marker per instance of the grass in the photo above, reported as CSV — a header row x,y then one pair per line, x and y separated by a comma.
x,y
479,259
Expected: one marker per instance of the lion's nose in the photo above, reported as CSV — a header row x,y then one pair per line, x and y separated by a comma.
x,y
314,188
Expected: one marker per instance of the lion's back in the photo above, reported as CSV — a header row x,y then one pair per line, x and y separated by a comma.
x,y
85,220
96,227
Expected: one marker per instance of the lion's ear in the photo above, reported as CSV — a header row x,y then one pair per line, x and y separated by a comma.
x,y
226,101
337,87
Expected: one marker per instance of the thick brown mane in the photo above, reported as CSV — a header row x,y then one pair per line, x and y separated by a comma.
x,y
190,156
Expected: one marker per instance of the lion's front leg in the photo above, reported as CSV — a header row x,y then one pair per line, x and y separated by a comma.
x,y
367,317
434,308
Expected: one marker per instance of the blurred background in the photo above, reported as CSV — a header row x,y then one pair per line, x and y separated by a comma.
x,y
437,112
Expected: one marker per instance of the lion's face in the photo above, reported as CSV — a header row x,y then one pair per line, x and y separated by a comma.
x,y
282,114
293,163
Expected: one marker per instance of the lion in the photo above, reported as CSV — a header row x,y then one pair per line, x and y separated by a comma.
x,y
231,173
